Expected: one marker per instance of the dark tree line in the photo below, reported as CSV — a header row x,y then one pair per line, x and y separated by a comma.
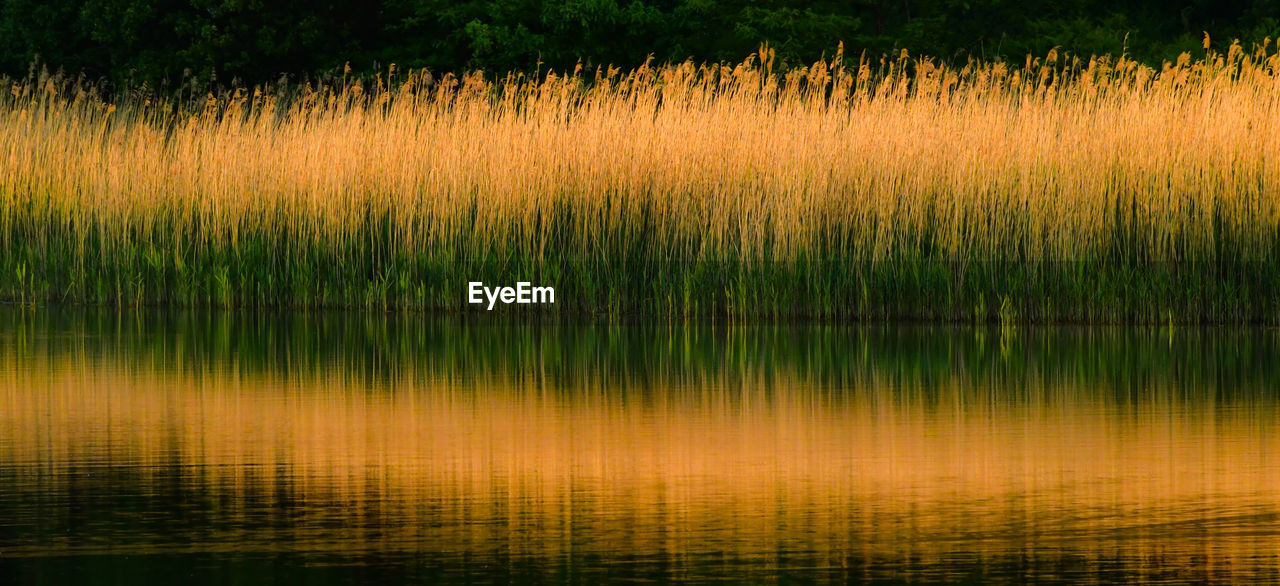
x,y
129,41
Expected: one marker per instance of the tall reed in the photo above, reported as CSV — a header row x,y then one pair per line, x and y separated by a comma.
x,y
1061,189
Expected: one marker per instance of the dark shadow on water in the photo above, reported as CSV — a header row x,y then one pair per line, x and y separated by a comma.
x,y
374,349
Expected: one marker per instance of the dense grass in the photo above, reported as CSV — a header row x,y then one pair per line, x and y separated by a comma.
x,y
1059,190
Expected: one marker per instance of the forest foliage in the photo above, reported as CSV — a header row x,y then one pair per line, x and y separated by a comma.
x,y
163,42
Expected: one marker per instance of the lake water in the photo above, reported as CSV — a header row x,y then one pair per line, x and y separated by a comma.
x,y
203,448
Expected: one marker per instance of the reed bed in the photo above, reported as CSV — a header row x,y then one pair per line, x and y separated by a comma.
x,y
1060,189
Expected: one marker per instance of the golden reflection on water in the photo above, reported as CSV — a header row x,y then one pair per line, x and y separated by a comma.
x,y
768,467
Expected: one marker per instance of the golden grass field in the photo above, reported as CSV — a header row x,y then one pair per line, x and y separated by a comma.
x,y
1059,189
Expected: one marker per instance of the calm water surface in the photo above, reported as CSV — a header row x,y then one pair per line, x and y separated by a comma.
x,y
218,448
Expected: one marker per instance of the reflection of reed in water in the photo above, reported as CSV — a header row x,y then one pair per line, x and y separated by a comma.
x,y
378,350
759,460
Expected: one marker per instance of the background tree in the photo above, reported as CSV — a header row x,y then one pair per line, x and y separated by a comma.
x,y
129,41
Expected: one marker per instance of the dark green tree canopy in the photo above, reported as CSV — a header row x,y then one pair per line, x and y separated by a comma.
x,y
130,41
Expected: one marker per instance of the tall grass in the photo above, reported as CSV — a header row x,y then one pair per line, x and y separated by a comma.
x,y
1058,190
